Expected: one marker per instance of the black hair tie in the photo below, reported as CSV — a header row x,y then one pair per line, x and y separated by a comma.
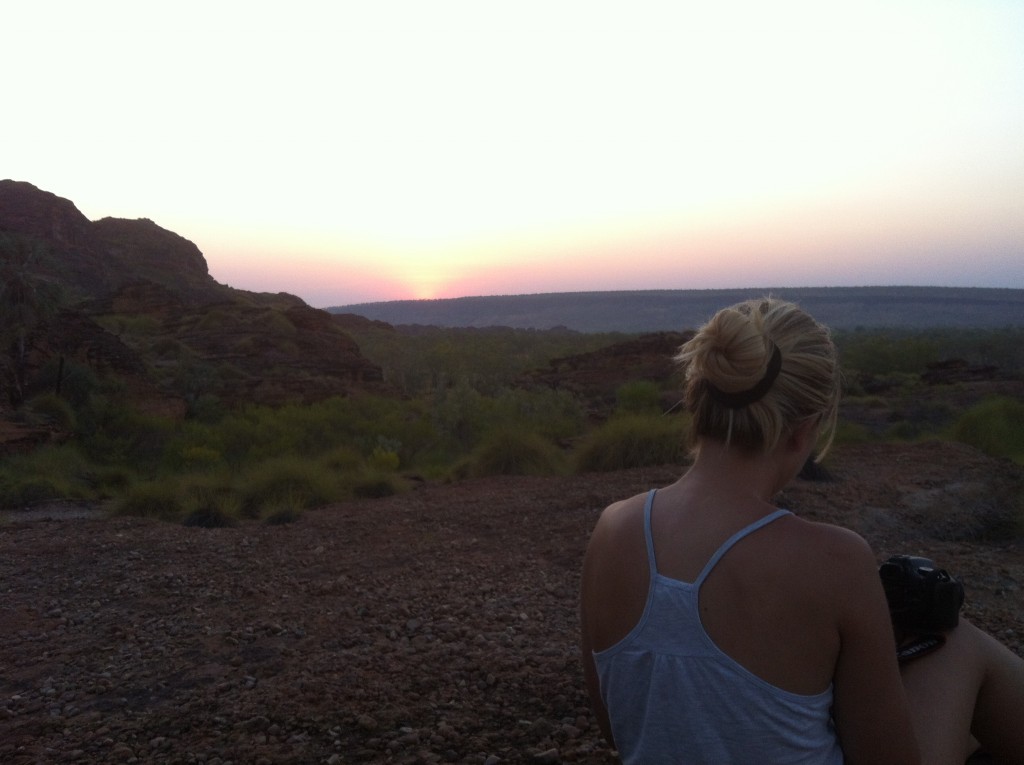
x,y
743,398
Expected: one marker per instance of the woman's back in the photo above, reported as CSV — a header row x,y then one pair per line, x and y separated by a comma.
x,y
795,605
716,653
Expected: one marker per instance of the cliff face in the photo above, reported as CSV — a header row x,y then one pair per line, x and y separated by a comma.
x,y
51,239
90,259
27,210
92,291
143,249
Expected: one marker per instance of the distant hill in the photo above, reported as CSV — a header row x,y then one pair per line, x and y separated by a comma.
x,y
671,310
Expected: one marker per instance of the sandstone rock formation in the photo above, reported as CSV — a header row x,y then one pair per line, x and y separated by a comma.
x,y
134,300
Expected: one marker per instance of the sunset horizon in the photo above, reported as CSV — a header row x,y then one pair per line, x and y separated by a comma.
x,y
348,153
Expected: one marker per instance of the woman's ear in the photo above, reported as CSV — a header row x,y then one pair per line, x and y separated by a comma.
x,y
805,435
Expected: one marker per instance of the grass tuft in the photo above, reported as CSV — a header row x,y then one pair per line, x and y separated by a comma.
x,y
512,451
632,441
995,426
374,484
287,480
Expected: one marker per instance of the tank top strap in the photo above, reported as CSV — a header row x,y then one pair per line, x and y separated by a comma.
x,y
727,545
648,535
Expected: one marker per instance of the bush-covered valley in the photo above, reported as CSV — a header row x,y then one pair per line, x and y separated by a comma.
x,y
133,381
469,403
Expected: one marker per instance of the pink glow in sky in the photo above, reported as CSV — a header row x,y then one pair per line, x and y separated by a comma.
x,y
351,151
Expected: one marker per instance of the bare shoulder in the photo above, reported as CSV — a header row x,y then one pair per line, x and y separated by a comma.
x,y
617,539
614,579
837,543
619,518
839,557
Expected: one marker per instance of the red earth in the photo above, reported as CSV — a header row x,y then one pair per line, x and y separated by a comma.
x,y
438,626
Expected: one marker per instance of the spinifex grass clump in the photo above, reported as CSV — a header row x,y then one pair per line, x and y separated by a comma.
x,y
287,480
374,484
633,441
513,451
995,426
341,459
48,473
638,397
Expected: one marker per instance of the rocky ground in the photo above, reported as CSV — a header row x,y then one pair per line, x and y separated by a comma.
x,y
438,626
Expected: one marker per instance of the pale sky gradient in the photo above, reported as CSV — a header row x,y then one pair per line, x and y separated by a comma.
x,y
374,150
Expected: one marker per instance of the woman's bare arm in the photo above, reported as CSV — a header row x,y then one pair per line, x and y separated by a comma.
x,y
871,712
588,594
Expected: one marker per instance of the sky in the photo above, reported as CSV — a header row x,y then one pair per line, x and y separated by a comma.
x,y
361,151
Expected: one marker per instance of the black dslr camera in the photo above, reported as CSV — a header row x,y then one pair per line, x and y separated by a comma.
x,y
922,598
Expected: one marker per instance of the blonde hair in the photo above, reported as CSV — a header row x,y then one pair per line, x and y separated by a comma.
x,y
730,359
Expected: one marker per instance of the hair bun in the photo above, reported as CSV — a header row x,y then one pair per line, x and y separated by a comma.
x,y
737,351
755,370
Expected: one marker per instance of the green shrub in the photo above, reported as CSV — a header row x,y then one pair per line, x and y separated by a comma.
x,y
633,441
995,426
30,490
511,451
111,433
51,409
850,433
555,415
111,480
287,480
208,488
885,351
342,459
374,485
209,500
358,423
200,458
639,397
49,472
383,460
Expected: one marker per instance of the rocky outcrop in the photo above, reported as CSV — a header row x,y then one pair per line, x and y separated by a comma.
x,y
47,236
594,377
91,259
25,209
138,303
958,370
251,351
147,251
355,322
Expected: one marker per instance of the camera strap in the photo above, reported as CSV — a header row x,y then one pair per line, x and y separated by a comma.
x,y
919,646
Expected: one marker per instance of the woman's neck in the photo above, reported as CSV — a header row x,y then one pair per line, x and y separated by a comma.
x,y
723,472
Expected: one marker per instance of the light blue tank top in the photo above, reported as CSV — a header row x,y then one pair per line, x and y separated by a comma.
x,y
674,697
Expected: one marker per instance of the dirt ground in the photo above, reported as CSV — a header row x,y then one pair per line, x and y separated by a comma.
x,y
437,626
